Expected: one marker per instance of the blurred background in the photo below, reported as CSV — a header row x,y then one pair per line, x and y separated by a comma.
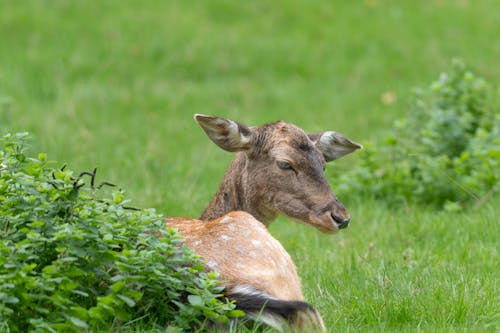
x,y
115,84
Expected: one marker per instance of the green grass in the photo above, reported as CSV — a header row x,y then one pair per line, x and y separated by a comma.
x,y
405,270
114,84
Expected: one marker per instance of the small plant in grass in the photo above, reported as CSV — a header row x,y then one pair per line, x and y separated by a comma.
x,y
446,152
71,260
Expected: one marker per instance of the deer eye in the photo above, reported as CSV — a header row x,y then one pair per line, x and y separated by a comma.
x,y
284,165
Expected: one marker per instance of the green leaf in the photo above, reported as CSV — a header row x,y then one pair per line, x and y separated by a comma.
x,y
117,197
130,302
8,299
210,313
117,286
79,292
195,300
78,322
236,314
79,311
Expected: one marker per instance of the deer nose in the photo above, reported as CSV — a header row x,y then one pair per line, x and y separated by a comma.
x,y
342,222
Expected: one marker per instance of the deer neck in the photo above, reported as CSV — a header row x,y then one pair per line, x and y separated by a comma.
x,y
234,194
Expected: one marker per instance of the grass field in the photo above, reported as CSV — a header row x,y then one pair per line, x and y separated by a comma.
x,y
114,84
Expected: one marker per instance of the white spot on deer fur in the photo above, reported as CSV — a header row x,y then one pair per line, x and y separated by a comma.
x,y
212,264
225,237
282,271
268,274
226,219
240,250
196,243
256,242
252,254
246,289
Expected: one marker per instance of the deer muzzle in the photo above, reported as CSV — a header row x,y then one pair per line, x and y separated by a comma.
x,y
337,214
340,221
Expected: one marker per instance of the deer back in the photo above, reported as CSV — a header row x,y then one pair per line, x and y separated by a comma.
x,y
243,252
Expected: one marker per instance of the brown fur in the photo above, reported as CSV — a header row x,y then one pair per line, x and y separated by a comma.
x,y
254,182
242,251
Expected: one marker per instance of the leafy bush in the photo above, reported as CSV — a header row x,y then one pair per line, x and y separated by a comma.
x,y
71,261
446,152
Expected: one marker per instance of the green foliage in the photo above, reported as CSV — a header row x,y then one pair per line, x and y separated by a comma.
x,y
72,261
446,152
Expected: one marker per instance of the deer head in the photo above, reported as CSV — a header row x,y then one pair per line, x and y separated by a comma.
x,y
279,169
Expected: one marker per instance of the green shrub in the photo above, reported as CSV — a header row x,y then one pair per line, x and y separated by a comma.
x,y
72,261
446,152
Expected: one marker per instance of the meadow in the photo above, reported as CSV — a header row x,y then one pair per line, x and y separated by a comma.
x,y
114,85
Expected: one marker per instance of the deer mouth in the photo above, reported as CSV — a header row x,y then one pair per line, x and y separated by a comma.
x,y
326,223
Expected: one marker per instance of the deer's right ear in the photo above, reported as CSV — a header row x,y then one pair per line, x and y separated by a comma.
x,y
333,145
225,133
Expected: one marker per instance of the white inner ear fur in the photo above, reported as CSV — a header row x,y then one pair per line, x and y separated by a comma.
x,y
235,135
224,132
334,145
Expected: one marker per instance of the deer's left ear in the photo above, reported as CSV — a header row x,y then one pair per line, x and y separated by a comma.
x,y
225,133
333,145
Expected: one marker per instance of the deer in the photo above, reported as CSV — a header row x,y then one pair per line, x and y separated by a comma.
x,y
278,169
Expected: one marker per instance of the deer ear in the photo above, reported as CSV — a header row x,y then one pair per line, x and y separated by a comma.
x,y
333,145
225,133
